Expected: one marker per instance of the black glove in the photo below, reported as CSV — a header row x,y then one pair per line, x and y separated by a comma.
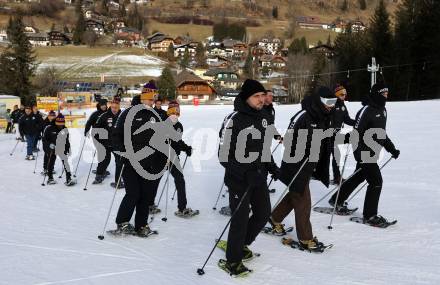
x,y
276,173
395,153
255,178
188,151
278,138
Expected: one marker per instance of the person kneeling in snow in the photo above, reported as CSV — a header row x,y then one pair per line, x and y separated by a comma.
x,y
173,113
56,143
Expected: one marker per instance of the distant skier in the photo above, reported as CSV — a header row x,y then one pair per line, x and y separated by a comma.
x,y
29,128
56,143
241,176
340,117
49,121
315,115
372,116
173,114
106,122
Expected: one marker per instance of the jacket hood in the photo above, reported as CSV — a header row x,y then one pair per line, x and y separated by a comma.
x,y
243,107
313,106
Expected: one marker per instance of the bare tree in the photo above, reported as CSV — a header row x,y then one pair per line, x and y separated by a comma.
x,y
299,71
45,81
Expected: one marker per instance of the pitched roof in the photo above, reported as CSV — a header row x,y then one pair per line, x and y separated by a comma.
x,y
215,71
187,76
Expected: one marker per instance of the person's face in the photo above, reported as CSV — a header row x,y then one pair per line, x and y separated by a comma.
x,y
104,107
15,107
385,94
269,98
51,118
256,101
148,102
342,95
158,104
115,108
34,109
28,111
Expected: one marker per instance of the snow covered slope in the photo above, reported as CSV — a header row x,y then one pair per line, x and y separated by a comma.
x,y
48,235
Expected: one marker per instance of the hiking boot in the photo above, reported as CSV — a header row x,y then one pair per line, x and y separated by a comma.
x,y
154,210
376,221
144,231
247,253
234,268
278,228
125,228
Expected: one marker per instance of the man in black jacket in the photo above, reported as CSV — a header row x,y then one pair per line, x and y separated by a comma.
x,y
16,115
372,117
140,174
301,136
340,117
173,114
29,128
101,108
49,121
244,133
106,122
56,143
158,108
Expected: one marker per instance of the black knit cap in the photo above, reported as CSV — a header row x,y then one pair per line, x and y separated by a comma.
x,y
376,93
249,88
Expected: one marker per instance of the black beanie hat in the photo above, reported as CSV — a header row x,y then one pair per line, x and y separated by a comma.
x,y
376,94
249,88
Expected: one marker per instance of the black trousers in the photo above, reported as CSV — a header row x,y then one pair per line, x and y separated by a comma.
x,y
102,166
46,159
371,173
336,156
244,229
9,128
51,158
179,181
139,194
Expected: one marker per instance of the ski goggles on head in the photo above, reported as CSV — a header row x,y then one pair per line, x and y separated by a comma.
x,y
329,101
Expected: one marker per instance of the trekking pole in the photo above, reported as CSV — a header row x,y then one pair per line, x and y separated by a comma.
x,y
80,155
101,236
13,150
367,182
90,170
218,197
183,167
339,190
290,184
36,158
45,173
200,271
62,171
164,219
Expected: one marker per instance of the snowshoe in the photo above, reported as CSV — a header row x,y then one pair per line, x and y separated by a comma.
x,y
145,232
187,213
312,245
51,181
123,229
70,182
248,254
340,210
234,269
277,230
120,186
98,179
375,221
154,210
107,173
226,211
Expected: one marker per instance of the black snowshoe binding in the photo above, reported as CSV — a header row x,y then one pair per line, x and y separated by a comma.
x,y
120,186
187,213
375,221
226,211
107,173
341,210
145,232
51,181
312,245
236,269
98,179
154,210
123,229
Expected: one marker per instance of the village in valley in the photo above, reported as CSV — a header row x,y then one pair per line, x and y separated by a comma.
x,y
205,70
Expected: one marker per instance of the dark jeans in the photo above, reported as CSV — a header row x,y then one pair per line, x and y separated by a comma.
x,y
371,173
179,181
244,229
301,203
139,194
30,139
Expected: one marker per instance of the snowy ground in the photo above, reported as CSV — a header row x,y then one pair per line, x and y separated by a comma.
x,y
48,235
112,65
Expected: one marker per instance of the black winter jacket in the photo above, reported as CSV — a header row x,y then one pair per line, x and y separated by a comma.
x,y
107,121
340,116
93,118
29,125
50,135
179,146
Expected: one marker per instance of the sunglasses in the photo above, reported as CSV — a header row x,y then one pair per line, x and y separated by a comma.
x,y
329,101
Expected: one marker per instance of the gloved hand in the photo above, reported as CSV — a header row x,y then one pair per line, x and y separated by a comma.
x,y
52,146
276,173
255,178
278,138
395,153
188,151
